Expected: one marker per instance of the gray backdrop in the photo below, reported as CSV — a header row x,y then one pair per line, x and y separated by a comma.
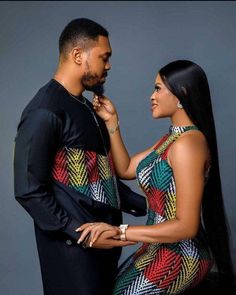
x,y
144,36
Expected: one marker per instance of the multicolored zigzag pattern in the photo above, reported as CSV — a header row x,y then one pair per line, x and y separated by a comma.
x,y
87,172
162,268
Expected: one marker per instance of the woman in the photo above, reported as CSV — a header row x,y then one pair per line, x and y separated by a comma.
x,y
180,178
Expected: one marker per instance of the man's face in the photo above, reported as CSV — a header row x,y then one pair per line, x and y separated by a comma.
x,y
96,64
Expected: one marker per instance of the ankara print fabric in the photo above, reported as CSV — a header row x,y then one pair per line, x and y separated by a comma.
x,y
62,162
163,268
64,177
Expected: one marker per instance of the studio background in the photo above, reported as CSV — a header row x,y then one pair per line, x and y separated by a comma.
x,y
145,35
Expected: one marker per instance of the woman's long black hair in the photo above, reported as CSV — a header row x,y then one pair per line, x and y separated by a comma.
x,y
188,82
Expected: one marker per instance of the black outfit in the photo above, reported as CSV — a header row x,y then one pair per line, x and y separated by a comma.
x,y
64,177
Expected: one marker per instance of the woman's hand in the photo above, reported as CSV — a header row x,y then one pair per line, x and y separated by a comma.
x,y
104,108
95,230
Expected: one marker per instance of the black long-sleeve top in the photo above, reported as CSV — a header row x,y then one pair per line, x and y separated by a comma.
x,y
63,171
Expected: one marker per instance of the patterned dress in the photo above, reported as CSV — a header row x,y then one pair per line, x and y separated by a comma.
x,y
163,268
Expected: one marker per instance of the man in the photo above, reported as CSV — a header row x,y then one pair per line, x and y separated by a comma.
x,y
63,169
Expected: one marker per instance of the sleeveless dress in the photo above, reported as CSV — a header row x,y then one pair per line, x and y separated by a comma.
x,y
163,268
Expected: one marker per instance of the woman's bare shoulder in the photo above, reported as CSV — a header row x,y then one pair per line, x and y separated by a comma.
x,y
190,145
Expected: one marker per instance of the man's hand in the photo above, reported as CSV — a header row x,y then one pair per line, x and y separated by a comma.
x,y
106,240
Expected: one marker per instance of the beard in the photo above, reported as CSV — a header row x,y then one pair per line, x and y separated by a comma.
x,y
98,89
92,82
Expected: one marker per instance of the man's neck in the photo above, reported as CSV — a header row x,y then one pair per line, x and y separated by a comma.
x,y
69,82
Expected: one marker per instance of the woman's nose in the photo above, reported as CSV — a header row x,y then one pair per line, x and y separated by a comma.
x,y
152,96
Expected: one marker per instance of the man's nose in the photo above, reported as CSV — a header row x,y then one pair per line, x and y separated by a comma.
x,y
108,66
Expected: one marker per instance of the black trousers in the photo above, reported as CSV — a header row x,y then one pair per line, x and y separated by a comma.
x,y
69,269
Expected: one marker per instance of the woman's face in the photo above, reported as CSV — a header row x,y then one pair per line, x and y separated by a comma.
x,y
163,102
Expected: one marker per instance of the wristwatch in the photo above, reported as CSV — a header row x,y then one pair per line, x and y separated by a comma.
x,y
123,228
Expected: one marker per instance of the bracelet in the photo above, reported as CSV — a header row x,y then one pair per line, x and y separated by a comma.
x,y
114,129
123,228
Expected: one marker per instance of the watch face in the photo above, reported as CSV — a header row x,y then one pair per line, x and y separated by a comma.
x,y
124,226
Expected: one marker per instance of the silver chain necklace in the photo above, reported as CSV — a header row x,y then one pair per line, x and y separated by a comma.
x,y
92,113
95,119
99,128
101,135
73,96
76,98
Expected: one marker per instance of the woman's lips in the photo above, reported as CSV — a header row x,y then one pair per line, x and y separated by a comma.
x,y
154,106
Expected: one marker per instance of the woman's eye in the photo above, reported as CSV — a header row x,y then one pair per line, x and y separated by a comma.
x,y
157,88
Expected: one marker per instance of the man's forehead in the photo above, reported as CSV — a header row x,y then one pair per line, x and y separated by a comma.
x,y
104,45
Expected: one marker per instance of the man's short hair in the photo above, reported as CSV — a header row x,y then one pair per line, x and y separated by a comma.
x,y
81,31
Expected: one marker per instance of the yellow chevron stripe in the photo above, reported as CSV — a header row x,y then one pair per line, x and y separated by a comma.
x,y
170,209
188,271
149,255
103,167
77,167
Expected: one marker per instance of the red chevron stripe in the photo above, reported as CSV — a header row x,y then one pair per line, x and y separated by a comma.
x,y
162,140
91,165
59,171
111,163
156,199
164,269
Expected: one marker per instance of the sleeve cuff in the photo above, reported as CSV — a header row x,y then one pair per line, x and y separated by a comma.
x,y
70,228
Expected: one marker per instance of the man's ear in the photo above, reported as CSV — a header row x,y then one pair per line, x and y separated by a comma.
x,y
76,54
